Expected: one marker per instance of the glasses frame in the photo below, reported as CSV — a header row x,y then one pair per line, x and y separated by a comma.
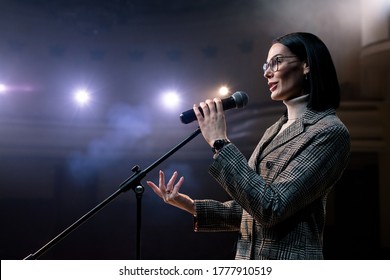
x,y
274,62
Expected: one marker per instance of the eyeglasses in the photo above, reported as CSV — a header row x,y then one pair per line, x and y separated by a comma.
x,y
274,62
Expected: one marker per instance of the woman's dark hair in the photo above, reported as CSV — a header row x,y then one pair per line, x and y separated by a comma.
x,y
322,83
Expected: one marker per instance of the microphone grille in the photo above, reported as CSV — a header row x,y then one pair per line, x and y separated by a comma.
x,y
241,99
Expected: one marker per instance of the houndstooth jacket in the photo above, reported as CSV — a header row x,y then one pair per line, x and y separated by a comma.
x,y
279,195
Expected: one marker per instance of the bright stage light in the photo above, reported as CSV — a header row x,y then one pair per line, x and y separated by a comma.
x,y
3,88
224,91
82,97
170,99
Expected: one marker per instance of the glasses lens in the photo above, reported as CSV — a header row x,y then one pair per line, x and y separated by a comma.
x,y
273,64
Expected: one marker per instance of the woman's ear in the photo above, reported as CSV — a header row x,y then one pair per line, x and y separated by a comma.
x,y
306,68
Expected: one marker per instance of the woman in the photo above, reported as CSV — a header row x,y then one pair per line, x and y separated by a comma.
x,y
279,195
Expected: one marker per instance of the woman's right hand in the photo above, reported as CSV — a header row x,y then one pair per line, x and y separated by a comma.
x,y
170,192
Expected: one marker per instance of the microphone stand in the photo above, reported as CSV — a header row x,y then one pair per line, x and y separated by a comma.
x,y
133,182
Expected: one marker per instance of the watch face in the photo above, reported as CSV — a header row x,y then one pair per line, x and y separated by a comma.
x,y
218,144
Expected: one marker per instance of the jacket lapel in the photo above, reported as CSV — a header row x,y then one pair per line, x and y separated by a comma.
x,y
269,134
289,133
272,141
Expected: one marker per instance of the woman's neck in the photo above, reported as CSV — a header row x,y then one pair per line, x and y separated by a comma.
x,y
296,107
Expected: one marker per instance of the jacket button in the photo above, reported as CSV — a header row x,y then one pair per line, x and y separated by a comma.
x,y
269,164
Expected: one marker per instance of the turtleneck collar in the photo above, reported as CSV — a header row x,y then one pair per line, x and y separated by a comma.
x,y
296,107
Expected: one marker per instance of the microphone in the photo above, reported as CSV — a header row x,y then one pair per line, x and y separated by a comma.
x,y
239,99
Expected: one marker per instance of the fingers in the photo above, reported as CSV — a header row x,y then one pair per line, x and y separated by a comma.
x,y
218,104
161,188
201,111
177,186
162,181
155,188
211,106
167,191
212,122
172,187
171,182
208,108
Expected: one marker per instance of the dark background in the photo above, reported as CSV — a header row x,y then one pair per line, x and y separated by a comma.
x,y
58,161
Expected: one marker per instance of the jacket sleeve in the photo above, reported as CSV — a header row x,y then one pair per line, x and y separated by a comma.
x,y
213,216
309,174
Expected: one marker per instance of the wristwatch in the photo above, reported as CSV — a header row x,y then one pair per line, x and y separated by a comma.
x,y
219,144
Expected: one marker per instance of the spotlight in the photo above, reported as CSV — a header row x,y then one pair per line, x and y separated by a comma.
x,y
224,91
82,97
170,99
3,88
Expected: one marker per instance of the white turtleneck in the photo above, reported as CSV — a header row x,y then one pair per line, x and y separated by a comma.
x,y
295,109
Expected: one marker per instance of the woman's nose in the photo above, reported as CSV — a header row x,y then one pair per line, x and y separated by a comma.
x,y
268,73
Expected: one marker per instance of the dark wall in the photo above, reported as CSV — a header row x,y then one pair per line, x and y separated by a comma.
x,y
353,231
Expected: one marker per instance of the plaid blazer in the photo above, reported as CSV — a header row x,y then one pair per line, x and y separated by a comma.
x,y
279,195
